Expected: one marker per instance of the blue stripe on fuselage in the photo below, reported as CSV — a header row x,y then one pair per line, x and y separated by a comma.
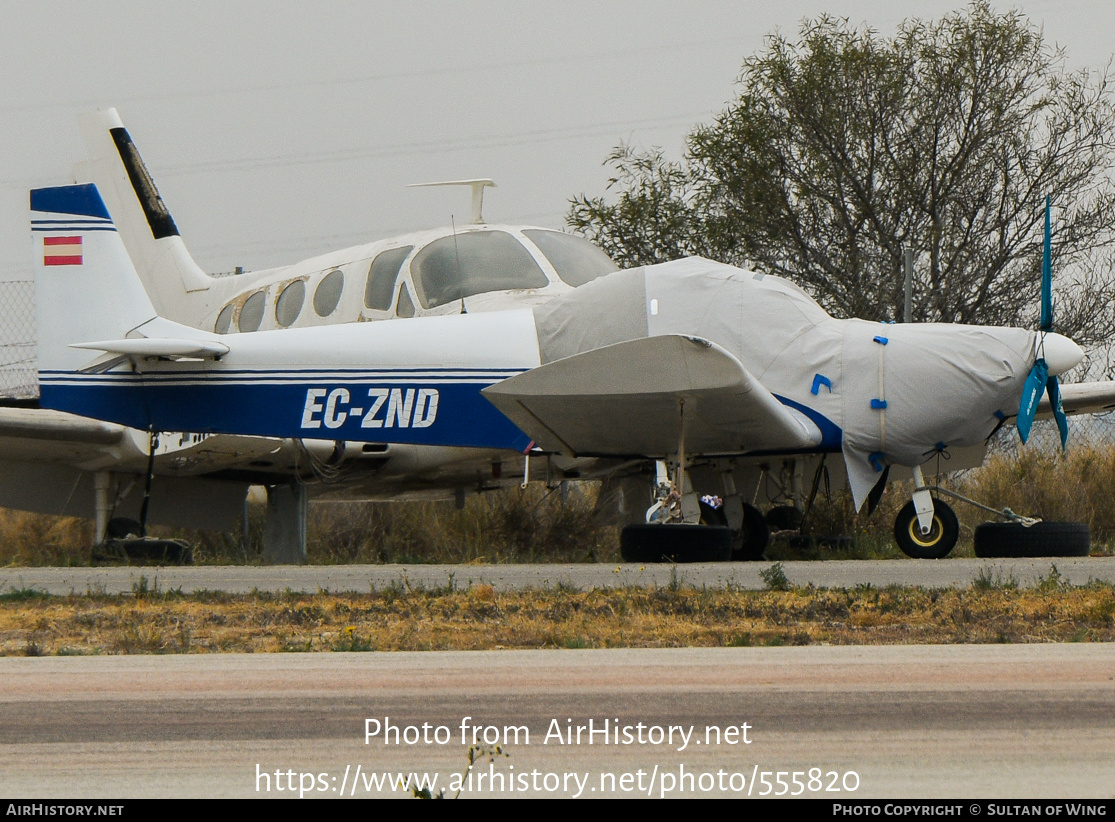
x,y
831,435
312,405
434,412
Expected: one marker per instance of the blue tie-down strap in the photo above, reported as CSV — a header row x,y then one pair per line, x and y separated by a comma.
x,y
818,381
878,405
881,340
877,460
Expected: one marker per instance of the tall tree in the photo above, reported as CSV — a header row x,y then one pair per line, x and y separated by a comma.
x,y
845,146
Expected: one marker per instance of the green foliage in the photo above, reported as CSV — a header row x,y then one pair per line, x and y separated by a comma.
x,y
775,578
845,146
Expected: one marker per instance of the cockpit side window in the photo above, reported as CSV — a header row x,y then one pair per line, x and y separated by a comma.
x,y
381,278
576,260
473,262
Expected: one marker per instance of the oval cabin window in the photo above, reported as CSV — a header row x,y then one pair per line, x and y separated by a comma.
x,y
328,293
289,304
251,314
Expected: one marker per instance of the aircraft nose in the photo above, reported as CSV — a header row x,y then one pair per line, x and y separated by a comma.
x,y
1060,353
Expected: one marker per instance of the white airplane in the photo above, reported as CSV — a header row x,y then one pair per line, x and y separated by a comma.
x,y
57,463
449,270
711,373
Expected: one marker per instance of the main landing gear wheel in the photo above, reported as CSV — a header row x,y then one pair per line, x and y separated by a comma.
x,y
938,543
668,542
994,540
752,538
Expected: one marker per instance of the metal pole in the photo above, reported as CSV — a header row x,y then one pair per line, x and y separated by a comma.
x,y
908,264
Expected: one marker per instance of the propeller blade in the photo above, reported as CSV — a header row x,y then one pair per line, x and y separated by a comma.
x,y
1031,394
1053,387
1047,276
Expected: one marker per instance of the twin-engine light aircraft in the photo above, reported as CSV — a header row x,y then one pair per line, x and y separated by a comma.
x,y
57,463
711,373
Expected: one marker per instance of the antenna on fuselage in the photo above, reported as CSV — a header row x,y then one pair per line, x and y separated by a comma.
x,y
477,187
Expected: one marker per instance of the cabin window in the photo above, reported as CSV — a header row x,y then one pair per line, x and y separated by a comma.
x,y
224,320
328,292
473,262
575,259
251,313
405,308
381,278
289,304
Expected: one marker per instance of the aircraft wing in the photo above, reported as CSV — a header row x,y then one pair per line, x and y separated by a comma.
x,y
1082,398
634,398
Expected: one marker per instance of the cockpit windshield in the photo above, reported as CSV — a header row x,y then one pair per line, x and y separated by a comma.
x,y
473,262
576,260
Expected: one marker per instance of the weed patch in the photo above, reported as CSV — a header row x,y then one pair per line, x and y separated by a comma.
x,y
775,578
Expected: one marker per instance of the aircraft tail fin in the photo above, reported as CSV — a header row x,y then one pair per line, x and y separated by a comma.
x,y
87,290
143,221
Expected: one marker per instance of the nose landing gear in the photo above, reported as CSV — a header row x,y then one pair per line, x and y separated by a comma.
x,y
936,542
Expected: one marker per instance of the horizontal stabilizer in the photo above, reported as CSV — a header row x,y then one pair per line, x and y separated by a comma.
x,y
43,424
144,347
633,398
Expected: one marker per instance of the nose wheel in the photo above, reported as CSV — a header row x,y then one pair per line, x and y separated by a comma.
x,y
935,543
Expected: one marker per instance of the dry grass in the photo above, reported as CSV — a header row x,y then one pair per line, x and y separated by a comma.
x,y
513,525
539,526
1075,486
39,539
482,618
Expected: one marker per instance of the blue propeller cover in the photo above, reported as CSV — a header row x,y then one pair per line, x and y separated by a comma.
x,y
1031,395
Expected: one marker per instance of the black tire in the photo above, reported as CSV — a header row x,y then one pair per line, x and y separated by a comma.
x,y
784,518
994,540
675,543
751,541
938,543
122,528
148,551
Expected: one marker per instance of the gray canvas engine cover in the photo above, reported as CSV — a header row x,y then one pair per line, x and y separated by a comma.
x,y
879,393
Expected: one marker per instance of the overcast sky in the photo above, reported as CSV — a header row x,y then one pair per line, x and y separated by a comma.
x,y
280,130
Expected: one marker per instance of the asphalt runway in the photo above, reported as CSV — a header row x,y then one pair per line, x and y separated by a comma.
x,y
826,722
844,722
362,578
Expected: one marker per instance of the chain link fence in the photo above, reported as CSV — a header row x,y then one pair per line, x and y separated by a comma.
x,y
1088,430
19,375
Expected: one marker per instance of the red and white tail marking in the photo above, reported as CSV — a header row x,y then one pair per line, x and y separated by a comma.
x,y
62,250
